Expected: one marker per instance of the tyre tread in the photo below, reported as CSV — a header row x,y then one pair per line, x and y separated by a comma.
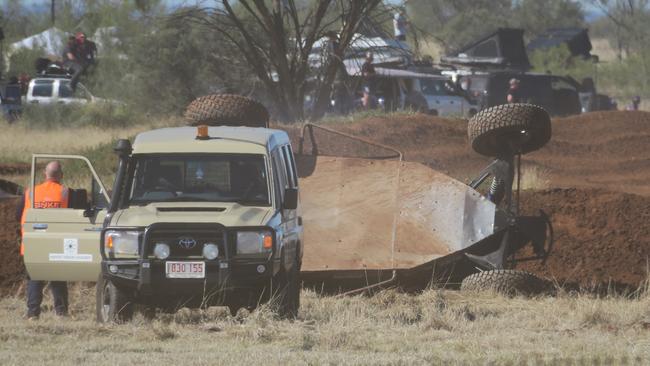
x,y
226,110
485,126
508,282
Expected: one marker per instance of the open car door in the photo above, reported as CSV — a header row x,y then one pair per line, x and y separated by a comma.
x,y
62,244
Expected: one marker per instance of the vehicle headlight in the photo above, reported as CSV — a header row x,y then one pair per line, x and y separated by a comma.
x,y
122,243
210,251
253,242
161,250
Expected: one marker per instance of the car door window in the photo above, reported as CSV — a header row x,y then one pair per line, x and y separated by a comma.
x,y
434,87
43,89
65,91
290,170
292,163
280,174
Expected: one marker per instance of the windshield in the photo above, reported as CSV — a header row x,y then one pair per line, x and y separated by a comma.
x,y
237,178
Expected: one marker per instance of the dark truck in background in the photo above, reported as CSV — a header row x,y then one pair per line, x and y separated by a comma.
x,y
484,68
559,95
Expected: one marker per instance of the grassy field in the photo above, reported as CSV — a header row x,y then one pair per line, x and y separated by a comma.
x,y
19,142
26,137
390,328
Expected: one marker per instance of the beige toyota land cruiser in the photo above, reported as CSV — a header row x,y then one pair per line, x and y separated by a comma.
x,y
198,216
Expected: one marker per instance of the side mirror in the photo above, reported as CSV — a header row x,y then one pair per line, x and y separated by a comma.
x,y
290,199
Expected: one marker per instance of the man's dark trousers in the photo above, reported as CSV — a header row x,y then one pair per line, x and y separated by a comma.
x,y
35,297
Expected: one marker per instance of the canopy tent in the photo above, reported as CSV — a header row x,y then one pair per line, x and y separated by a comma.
x,y
50,40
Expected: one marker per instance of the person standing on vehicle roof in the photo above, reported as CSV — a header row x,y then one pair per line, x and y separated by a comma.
x,y
399,25
49,194
77,55
514,93
368,73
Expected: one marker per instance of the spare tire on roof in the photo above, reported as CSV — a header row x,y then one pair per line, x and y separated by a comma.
x,y
226,110
509,129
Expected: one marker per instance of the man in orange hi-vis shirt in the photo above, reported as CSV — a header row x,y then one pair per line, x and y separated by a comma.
x,y
49,194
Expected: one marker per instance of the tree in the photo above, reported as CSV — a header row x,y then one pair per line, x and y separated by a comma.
x,y
559,61
275,39
174,61
536,16
630,19
456,23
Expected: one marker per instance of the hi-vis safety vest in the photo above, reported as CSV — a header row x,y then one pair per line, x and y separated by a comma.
x,y
49,194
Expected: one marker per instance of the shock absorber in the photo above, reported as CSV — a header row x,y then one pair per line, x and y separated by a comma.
x,y
497,190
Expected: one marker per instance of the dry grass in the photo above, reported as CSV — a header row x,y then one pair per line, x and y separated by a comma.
x,y
436,327
20,142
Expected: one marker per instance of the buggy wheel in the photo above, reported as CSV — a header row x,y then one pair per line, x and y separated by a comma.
x,y
112,303
226,110
509,282
509,129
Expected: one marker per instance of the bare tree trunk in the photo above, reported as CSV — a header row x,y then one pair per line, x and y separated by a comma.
x,y
274,39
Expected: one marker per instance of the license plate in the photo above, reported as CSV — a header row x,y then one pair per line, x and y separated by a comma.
x,y
185,269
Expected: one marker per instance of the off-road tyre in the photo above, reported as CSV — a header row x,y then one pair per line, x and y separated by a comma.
x,y
285,299
508,282
509,129
226,110
112,303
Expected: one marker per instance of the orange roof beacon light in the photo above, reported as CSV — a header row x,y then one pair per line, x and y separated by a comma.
x,y
202,132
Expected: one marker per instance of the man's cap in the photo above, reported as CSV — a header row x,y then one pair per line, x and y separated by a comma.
x,y
514,81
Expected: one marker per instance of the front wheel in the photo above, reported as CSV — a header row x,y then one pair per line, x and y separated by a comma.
x,y
286,298
112,303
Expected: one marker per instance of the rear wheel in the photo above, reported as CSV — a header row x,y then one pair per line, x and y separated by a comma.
x,y
112,303
508,282
509,129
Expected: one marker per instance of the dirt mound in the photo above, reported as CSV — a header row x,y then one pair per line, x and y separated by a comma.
x,y
600,236
14,168
8,189
599,150
11,268
594,150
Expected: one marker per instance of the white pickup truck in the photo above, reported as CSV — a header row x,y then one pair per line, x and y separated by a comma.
x,y
52,90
